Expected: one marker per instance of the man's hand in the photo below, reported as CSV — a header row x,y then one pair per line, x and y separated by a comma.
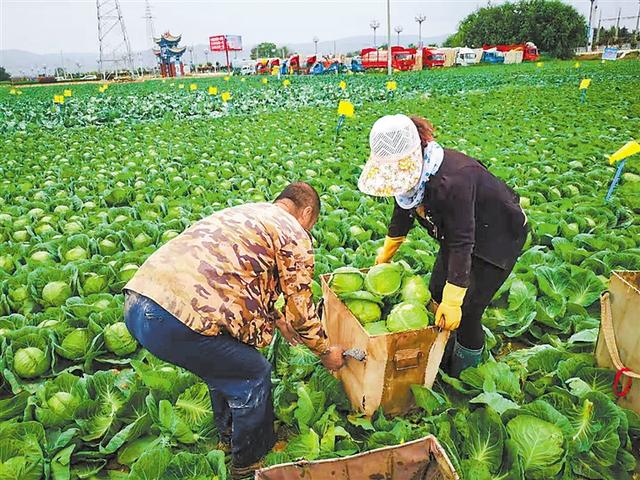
x,y
332,359
287,331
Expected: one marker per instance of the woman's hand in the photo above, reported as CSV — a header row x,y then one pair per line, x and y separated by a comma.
x,y
449,313
389,249
448,316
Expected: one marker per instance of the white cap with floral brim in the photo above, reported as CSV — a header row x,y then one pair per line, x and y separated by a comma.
x,y
395,162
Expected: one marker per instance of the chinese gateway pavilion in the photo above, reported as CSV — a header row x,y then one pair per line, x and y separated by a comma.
x,y
169,54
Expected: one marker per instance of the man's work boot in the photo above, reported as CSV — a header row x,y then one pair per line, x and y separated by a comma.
x,y
463,358
239,473
224,447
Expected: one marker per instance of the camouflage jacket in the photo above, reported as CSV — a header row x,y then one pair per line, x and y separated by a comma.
x,y
225,273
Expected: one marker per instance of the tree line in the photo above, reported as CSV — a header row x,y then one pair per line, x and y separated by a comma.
x,y
555,27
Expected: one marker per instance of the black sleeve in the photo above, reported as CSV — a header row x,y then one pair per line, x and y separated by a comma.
x,y
401,222
459,225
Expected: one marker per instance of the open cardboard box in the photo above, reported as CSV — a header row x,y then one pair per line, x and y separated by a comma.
x,y
394,361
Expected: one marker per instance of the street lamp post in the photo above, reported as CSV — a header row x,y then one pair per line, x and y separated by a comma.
x,y
398,29
375,24
191,55
315,41
420,18
206,56
590,28
389,69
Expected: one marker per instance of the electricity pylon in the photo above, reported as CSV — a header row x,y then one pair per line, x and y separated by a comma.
x,y
114,45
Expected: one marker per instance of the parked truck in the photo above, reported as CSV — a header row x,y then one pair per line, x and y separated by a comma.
x,y
402,58
529,50
432,57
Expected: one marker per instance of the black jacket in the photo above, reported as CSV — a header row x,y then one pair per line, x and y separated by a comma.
x,y
469,212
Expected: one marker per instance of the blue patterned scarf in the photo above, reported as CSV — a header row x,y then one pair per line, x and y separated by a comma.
x,y
433,156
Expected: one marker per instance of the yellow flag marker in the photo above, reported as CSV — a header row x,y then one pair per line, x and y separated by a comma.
x,y
286,82
342,85
584,84
59,99
630,148
181,86
226,96
193,87
539,64
576,65
264,81
226,78
19,92
13,91
67,93
391,85
345,107
212,90
275,70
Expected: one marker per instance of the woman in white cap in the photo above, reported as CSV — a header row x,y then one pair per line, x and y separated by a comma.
x,y
474,216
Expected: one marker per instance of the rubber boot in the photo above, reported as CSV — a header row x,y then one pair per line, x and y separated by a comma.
x,y
462,358
448,352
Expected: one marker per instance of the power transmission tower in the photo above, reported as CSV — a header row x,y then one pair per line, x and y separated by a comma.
x,y
151,31
114,45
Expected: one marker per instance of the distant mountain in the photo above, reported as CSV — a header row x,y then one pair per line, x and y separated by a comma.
x,y
20,62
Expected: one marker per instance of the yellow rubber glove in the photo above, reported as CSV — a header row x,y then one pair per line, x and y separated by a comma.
x,y
449,313
389,249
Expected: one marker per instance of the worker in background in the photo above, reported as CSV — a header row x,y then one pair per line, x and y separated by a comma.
x,y
205,301
474,216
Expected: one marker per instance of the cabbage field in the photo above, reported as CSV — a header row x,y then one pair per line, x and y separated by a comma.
x,y
91,187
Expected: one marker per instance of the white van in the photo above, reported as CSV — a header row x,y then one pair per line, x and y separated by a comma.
x,y
465,57
247,70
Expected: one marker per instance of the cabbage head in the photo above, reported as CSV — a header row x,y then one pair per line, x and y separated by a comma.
x,y
118,340
56,293
63,404
30,362
75,254
407,316
346,280
7,264
127,272
365,306
168,235
414,289
384,279
41,256
141,241
94,283
108,247
19,294
75,344
376,328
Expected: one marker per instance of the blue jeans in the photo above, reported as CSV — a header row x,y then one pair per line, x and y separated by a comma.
x,y
237,374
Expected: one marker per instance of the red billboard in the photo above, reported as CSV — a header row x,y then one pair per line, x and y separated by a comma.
x,y
225,43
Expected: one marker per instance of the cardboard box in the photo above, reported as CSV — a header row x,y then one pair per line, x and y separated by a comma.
x,y
394,362
420,459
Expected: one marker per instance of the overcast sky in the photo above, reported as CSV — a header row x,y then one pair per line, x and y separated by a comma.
x,y
49,26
